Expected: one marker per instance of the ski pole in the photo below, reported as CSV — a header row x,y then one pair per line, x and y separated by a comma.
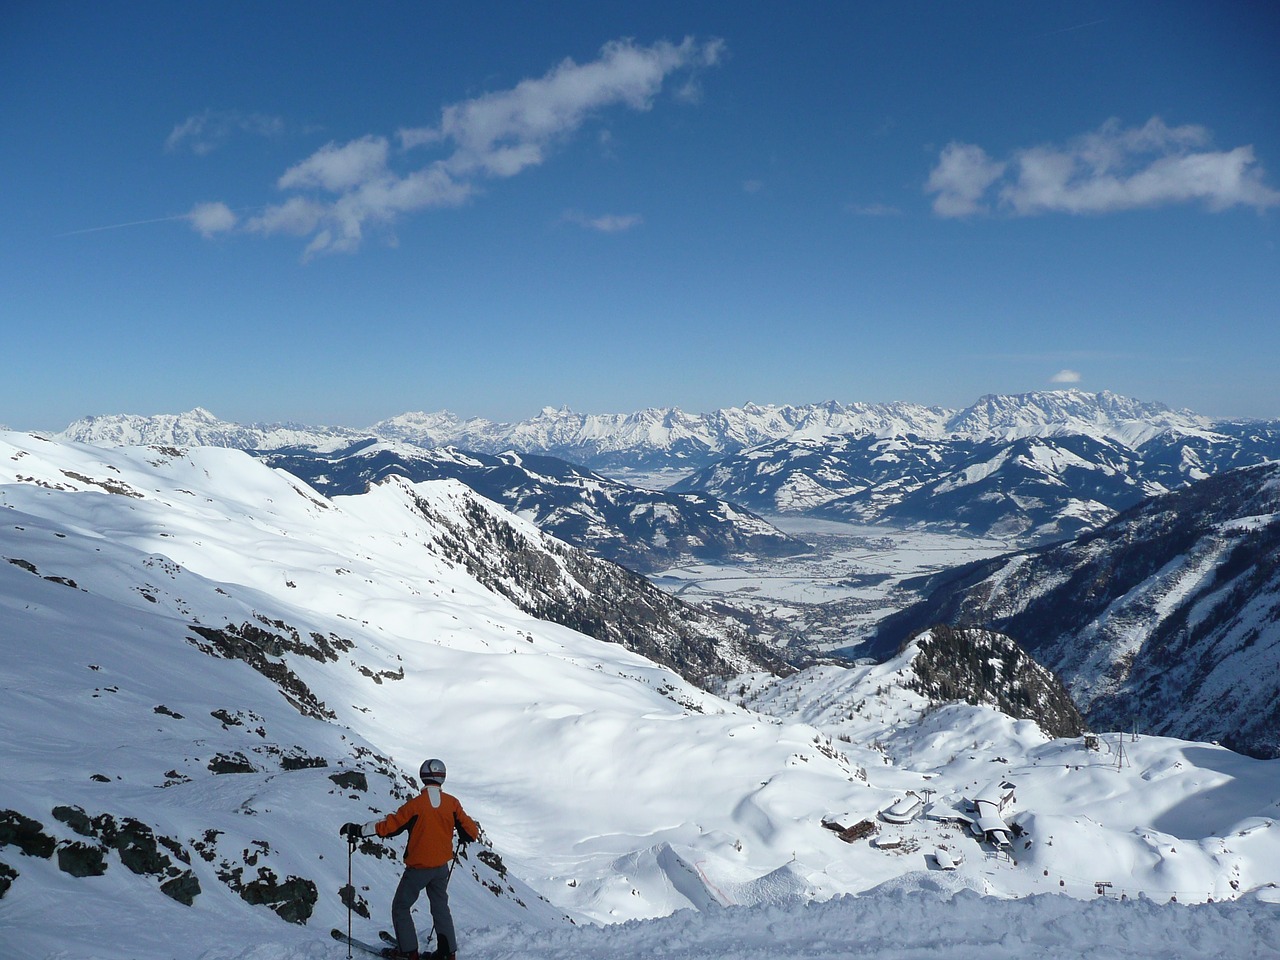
x,y
351,894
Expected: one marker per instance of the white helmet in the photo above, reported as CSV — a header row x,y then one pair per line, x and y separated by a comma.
x,y
432,771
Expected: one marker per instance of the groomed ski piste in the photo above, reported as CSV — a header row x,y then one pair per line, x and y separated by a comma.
x,y
626,812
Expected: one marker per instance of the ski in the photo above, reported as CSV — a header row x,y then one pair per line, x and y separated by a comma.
x,y
341,937
390,938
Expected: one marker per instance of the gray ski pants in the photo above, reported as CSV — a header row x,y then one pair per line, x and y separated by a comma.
x,y
435,881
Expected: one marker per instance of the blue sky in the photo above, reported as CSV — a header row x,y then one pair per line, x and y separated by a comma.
x,y
334,213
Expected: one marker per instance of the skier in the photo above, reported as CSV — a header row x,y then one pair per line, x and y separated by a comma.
x,y
431,818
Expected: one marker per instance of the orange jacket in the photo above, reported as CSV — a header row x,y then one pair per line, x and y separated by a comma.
x,y
430,828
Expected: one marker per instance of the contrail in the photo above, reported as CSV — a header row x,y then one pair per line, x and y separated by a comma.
x,y
117,226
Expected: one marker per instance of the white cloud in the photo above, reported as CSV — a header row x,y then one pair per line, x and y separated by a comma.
x,y
1107,170
962,176
202,133
338,168
297,215
504,132
210,219
1065,376
496,135
339,224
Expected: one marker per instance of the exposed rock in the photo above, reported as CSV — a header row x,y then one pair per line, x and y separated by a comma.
x,y
184,888
552,581
302,762
207,846
26,834
76,819
82,859
351,780
494,862
350,899
979,666
293,899
261,649
136,844
230,763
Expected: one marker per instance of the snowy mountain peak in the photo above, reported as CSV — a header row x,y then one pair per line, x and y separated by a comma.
x,y
1102,414
199,427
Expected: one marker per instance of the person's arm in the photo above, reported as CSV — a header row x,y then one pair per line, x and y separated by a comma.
x,y
394,823
388,826
468,830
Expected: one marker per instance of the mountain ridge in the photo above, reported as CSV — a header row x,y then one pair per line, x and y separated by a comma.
x,y
1163,616
668,438
643,530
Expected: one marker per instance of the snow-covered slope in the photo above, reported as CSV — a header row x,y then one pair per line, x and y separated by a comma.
x,y
201,654
644,530
1038,488
1111,808
1166,617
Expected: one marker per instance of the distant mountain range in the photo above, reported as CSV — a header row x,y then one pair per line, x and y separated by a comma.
x,y
1036,467
1164,618
669,438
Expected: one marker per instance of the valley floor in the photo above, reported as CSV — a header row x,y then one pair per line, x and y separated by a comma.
x,y
829,598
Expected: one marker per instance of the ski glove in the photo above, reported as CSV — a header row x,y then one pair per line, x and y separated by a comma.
x,y
352,831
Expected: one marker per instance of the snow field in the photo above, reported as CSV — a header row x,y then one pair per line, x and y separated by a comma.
x,y
892,923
